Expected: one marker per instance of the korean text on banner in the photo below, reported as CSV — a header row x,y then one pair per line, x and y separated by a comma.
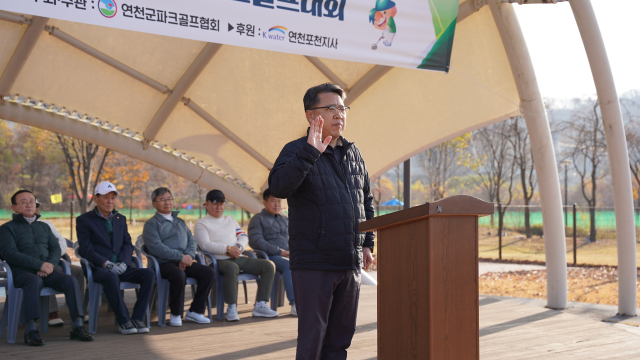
x,y
403,33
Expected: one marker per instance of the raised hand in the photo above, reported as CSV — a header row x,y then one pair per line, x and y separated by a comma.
x,y
315,135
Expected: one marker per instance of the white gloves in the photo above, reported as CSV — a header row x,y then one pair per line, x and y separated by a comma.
x,y
121,268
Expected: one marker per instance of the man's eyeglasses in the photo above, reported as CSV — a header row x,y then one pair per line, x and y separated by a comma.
x,y
25,203
165,200
333,110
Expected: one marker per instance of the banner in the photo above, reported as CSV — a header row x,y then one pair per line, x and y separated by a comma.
x,y
404,33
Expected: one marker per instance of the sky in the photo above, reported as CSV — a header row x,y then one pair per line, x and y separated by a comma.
x,y
558,55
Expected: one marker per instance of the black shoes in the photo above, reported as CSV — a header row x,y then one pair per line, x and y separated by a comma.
x,y
32,338
128,328
80,333
140,326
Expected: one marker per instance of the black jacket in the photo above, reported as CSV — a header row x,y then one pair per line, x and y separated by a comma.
x,y
94,243
326,203
25,247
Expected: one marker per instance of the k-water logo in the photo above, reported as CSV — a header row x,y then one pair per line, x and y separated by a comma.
x,y
108,8
275,33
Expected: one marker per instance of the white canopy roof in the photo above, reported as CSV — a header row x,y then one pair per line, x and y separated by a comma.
x,y
232,109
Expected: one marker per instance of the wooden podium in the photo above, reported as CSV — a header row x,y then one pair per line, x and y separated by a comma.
x,y
428,280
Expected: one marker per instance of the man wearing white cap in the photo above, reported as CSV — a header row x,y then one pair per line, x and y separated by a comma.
x,y
104,240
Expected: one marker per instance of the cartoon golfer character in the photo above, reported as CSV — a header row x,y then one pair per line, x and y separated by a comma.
x,y
382,17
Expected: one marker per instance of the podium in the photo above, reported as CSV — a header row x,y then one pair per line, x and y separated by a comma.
x,y
428,280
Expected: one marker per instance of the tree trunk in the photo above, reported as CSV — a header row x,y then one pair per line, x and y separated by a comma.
x,y
527,222
592,230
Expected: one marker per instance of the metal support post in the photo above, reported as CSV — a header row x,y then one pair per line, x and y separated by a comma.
x,y
500,231
407,183
575,242
617,151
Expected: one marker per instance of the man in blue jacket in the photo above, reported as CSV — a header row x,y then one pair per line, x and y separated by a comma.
x,y
326,185
33,253
104,240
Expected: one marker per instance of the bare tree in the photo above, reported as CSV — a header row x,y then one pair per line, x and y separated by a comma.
x,y
523,161
444,161
85,162
497,168
588,153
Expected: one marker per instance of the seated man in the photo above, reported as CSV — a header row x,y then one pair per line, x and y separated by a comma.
x,y
269,232
76,272
168,238
222,236
104,240
33,253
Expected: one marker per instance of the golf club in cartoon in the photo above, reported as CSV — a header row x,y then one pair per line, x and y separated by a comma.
x,y
382,17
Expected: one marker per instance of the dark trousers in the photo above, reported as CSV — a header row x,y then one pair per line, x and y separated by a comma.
x,y
32,284
327,305
110,282
205,277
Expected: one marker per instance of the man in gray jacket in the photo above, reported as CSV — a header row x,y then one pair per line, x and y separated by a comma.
x,y
168,238
269,232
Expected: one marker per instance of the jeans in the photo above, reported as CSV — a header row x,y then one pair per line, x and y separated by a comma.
x,y
282,266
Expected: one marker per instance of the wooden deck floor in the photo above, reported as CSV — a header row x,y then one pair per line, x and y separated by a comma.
x,y
508,330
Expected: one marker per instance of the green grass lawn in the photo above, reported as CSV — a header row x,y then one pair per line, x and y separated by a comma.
x,y
516,247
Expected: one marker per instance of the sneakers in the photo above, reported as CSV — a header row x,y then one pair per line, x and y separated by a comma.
x,y
80,333
197,318
175,320
127,328
140,325
232,313
32,338
294,312
263,310
54,320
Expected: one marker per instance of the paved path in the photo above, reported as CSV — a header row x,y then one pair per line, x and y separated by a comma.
x,y
487,267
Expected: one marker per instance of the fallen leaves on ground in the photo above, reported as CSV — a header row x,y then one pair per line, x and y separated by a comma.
x,y
597,285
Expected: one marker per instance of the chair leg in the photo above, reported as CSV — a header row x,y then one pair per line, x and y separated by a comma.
x,y
95,292
5,315
274,291
163,299
219,299
281,292
15,302
154,298
246,299
44,314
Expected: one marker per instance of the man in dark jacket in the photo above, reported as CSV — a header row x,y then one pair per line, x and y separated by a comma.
x,y
326,185
104,240
33,253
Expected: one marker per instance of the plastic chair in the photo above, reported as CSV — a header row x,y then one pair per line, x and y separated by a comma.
x,y
277,291
94,289
163,286
65,256
13,303
219,287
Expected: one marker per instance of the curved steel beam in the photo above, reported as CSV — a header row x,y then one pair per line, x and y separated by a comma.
x,y
61,35
226,132
64,125
185,82
21,54
535,115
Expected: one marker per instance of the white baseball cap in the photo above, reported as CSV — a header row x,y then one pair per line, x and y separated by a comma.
x,y
104,188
